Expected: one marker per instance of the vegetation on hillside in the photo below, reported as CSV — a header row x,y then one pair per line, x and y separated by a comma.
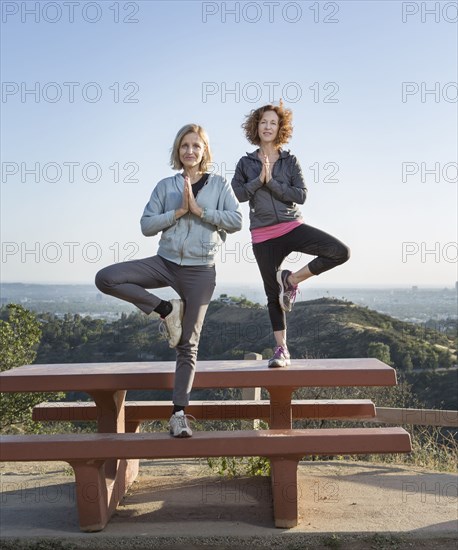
x,y
19,337
316,329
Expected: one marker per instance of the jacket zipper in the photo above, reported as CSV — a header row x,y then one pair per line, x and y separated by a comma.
x,y
272,198
189,222
188,215
270,193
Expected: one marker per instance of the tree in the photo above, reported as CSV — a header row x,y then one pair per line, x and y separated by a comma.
x,y
407,363
19,337
379,350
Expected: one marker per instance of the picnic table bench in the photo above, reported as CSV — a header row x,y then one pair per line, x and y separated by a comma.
x,y
137,412
106,463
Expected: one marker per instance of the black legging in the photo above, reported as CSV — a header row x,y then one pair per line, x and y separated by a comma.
x,y
270,254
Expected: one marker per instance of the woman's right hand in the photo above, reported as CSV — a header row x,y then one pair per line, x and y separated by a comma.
x,y
184,208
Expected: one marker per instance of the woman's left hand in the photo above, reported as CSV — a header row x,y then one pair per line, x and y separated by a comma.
x,y
267,168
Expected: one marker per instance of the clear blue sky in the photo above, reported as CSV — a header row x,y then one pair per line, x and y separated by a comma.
x,y
339,65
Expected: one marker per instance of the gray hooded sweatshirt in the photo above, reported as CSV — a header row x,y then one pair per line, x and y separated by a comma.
x,y
191,240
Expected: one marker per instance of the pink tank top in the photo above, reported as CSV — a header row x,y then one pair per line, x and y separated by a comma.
x,y
261,234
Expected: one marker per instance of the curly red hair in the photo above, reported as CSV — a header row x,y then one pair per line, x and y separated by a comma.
x,y
285,119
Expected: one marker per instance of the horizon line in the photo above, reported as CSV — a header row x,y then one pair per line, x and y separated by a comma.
x,y
254,285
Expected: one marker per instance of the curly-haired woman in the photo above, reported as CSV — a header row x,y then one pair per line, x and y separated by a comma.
x,y
271,180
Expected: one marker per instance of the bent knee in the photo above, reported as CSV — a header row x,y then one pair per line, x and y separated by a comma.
x,y
101,280
345,254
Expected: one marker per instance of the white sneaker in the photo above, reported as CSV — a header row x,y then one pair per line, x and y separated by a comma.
x,y
179,425
170,326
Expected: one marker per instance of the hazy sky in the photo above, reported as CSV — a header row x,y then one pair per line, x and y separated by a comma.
x,y
93,94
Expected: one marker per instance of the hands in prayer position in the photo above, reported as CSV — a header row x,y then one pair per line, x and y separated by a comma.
x,y
266,172
188,203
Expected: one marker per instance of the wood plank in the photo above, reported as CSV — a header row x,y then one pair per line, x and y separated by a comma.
x,y
209,374
418,417
269,443
209,410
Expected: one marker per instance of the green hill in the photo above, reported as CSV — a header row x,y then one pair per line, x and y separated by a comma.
x,y
316,329
327,328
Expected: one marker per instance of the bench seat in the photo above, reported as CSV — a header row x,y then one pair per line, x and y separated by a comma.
x,y
88,453
139,411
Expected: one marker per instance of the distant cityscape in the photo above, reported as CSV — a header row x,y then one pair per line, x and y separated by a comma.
x,y
414,304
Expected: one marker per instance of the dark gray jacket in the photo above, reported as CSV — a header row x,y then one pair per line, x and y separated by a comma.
x,y
276,201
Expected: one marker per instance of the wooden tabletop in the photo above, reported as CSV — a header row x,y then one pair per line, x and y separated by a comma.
x,y
209,374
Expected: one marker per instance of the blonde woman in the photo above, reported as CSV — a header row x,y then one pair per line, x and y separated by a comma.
x,y
193,210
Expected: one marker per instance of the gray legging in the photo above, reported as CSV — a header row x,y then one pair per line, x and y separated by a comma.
x,y
194,285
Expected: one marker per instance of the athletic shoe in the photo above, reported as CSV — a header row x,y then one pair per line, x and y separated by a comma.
x,y
280,358
179,425
287,293
170,326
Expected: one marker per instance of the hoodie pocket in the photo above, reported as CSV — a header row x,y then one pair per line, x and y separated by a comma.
x,y
204,245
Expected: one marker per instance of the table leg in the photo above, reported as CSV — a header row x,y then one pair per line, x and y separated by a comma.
x,y
284,491
91,495
113,477
110,410
280,407
132,465
110,419
283,472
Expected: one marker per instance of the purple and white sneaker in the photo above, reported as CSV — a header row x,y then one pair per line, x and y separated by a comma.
x,y
280,358
287,293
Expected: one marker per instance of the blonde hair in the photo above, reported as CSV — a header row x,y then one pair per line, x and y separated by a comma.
x,y
175,161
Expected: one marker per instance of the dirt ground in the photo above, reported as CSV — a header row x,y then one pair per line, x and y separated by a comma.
x,y
183,505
